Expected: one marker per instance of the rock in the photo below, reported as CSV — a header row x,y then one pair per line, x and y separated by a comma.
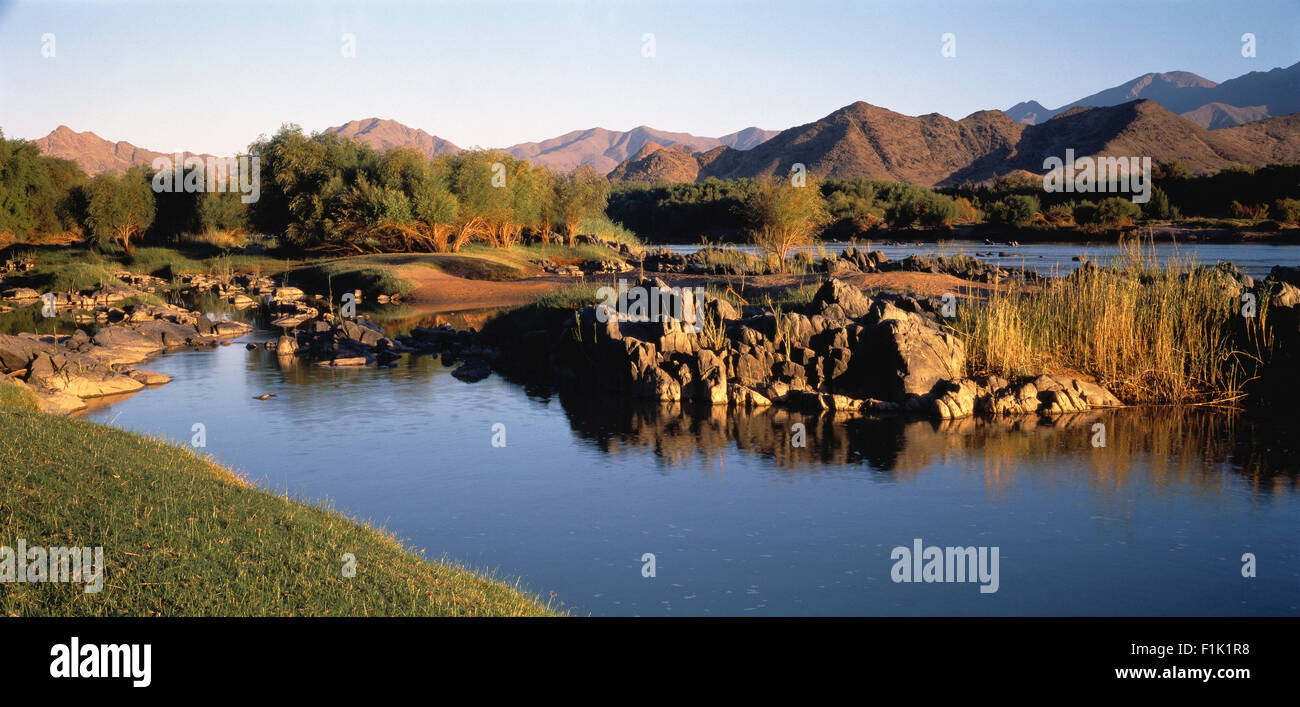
x,y
286,346
748,398
21,294
150,377
850,300
91,383
473,370
905,354
1286,295
954,398
349,361
711,377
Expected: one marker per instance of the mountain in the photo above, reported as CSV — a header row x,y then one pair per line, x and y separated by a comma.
x,y
1029,112
94,154
657,163
865,141
604,149
1252,96
1213,116
747,139
383,134
600,148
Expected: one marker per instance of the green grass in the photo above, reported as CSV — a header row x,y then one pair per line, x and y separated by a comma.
x,y
574,296
346,275
16,397
66,277
185,537
611,231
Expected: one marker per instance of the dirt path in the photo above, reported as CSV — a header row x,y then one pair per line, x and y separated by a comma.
x,y
433,287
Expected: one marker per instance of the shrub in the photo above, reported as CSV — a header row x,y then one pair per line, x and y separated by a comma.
x,y
1286,210
1016,210
1117,210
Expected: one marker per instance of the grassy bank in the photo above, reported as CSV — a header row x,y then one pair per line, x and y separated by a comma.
x,y
185,537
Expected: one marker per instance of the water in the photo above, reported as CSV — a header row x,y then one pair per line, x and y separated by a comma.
x,y
1255,259
740,521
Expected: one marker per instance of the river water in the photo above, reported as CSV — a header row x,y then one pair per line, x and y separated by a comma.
x,y
1254,259
740,519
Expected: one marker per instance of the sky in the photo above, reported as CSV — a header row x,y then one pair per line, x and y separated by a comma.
x,y
213,76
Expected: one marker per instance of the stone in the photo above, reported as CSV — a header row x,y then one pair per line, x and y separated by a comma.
x,y
473,370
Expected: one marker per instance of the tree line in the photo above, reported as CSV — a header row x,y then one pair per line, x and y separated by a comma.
x,y
317,192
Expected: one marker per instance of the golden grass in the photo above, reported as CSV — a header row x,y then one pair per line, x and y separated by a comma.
x,y
1152,333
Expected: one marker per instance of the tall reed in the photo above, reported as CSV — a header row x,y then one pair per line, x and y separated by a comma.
x,y
1152,332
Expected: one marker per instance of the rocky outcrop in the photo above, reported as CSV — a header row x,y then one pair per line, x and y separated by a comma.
x,y
852,354
65,370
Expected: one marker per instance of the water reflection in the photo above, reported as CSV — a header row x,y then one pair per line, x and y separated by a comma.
x,y
1170,446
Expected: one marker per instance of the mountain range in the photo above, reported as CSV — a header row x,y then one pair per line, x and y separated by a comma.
x,y
598,148
94,154
1176,115
1252,96
862,140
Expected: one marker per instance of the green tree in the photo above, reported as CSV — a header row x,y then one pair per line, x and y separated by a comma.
x,y
120,208
578,195
783,216
1016,210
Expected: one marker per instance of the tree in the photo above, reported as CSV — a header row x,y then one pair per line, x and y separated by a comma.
x,y
1117,210
120,208
1159,206
1017,209
783,216
579,194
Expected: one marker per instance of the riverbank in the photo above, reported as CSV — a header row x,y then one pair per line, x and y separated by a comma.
x,y
182,536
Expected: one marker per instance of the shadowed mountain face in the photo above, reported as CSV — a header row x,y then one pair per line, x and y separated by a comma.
x,y
864,141
94,154
1253,96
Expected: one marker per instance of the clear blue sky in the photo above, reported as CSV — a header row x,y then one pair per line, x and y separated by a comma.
x,y
212,76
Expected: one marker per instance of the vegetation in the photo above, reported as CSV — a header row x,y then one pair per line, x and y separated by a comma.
x,y
119,208
1149,333
783,217
185,537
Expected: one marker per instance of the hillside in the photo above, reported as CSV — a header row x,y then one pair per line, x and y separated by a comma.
x,y
865,141
383,134
94,154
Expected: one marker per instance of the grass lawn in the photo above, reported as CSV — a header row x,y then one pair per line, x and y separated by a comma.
x,y
185,537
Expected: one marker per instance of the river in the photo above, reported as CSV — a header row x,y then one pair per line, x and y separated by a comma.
x,y
740,520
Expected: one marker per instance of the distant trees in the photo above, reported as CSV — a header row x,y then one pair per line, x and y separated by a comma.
x,y
783,217
38,194
120,208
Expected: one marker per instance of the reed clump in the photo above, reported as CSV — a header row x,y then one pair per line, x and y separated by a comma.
x,y
1150,331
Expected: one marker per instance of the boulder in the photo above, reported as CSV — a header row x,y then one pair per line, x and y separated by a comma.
x,y
905,354
849,300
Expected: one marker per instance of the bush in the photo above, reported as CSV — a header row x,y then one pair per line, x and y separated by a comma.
x,y
1117,210
1286,210
1016,210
